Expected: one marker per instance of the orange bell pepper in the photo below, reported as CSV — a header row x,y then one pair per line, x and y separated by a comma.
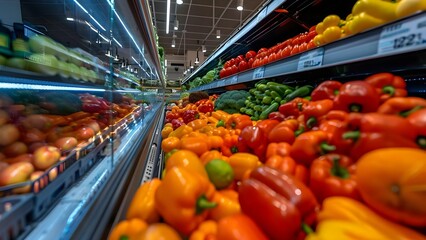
x,y
238,121
243,162
198,145
208,130
210,155
229,146
215,142
166,131
159,231
197,124
221,115
181,131
212,121
288,165
239,227
282,149
168,125
170,143
142,205
220,131
206,231
227,204
187,160
183,199
128,229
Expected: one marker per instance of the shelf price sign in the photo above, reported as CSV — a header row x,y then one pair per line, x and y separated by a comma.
x,y
258,72
234,79
311,59
403,36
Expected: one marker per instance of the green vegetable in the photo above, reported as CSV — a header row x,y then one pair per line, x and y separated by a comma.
x,y
253,118
257,108
249,112
220,123
262,87
232,101
267,100
268,92
274,94
266,112
300,92
277,99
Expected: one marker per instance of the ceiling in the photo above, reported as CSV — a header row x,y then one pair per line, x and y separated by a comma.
x,y
196,17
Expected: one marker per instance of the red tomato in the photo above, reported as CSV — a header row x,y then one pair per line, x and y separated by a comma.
x,y
286,51
226,65
232,62
312,28
303,38
287,42
311,35
222,73
295,50
272,57
310,45
295,41
239,59
262,50
250,62
242,66
234,69
255,63
303,47
250,54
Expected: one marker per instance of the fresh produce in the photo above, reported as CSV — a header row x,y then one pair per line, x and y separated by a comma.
x,y
143,203
231,101
220,173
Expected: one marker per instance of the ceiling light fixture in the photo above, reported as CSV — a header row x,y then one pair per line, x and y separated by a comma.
x,y
70,19
196,59
203,47
218,33
82,8
168,17
173,43
179,2
176,27
240,5
108,53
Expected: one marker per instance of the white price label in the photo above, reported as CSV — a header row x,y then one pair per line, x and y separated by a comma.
x,y
261,15
234,79
311,59
403,36
258,72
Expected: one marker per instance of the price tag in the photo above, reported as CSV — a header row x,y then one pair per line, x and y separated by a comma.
x,y
221,83
403,36
311,59
258,72
261,15
234,79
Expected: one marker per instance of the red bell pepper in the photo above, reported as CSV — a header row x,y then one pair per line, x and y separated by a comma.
x,y
357,96
388,85
335,130
267,125
310,145
171,115
284,202
189,116
284,131
293,108
281,149
287,165
276,116
312,111
333,175
336,115
402,106
326,90
176,123
238,121
418,122
255,140
205,106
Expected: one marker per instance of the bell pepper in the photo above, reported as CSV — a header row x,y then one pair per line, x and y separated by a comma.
x,y
287,165
336,115
357,96
214,142
267,125
230,145
190,115
285,202
284,131
212,121
197,145
363,21
220,123
206,231
197,124
227,204
402,106
388,85
183,199
239,227
238,121
399,196
351,211
160,231
312,111
242,163
171,115
310,145
221,115
326,90
281,149
205,106
128,229
208,130
181,131
188,160
255,139
367,142
166,131
276,116
387,9
293,108
176,123
210,155
333,175
170,143
335,129
418,122
142,205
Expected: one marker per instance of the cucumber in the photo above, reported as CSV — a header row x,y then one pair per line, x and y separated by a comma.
x,y
262,87
300,92
267,100
266,112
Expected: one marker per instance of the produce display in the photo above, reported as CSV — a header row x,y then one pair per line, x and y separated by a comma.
x,y
345,160
37,130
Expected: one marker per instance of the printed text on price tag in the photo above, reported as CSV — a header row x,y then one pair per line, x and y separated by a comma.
x,y
258,72
403,36
311,59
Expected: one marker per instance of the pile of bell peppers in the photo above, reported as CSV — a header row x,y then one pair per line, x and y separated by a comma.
x,y
347,164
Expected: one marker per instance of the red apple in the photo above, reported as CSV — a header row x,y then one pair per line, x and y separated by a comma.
x,y
46,156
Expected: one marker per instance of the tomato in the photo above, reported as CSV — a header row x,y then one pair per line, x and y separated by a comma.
x,y
242,66
310,45
231,62
250,54
234,69
311,35
222,72
332,34
295,41
239,59
262,50
250,62
312,28
295,50
303,38
303,47
226,65
331,20
255,63
287,42
272,57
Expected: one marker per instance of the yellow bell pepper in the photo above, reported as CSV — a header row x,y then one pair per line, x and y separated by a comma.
x,y
197,124
183,199
142,205
376,8
408,7
221,115
349,210
128,229
212,121
207,230
242,163
188,160
160,231
227,204
166,131
363,21
181,131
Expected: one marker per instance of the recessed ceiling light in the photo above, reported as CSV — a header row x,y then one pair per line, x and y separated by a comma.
x,y
240,5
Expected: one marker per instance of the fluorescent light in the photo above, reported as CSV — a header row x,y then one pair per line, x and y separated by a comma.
x,y
127,30
173,43
89,15
70,19
45,87
176,27
240,5
218,33
118,43
203,47
103,37
168,17
179,2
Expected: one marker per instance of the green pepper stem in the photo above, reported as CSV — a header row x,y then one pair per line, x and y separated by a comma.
x,y
300,106
351,135
408,112
299,131
421,141
307,229
234,149
203,204
124,238
312,121
389,90
337,170
336,92
325,147
220,123
355,107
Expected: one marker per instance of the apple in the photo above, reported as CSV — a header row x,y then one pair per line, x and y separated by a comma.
x,y
9,134
92,76
15,149
16,173
75,71
26,157
66,143
43,63
64,69
18,63
45,157
84,74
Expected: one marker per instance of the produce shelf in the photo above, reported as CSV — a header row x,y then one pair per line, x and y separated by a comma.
x,y
361,49
14,215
